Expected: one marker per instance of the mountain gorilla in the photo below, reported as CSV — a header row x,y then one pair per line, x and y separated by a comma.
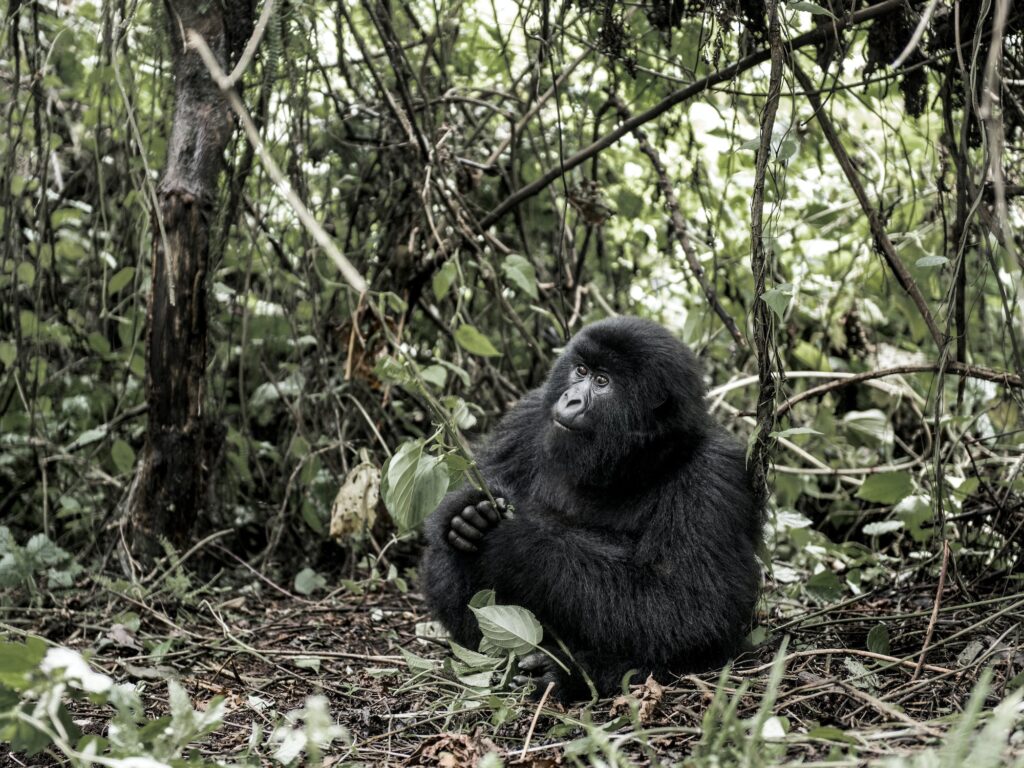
x,y
624,518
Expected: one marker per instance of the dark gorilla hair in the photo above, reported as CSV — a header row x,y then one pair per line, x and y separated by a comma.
x,y
624,517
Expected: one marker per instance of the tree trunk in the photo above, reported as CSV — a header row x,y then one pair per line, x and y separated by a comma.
x,y
171,486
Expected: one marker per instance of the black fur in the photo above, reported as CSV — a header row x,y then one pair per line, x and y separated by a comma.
x,y
634,540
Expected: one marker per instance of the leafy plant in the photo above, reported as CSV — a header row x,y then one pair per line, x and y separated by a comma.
x,y
22,566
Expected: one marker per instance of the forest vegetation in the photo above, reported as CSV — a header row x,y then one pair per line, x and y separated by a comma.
x,y
267,271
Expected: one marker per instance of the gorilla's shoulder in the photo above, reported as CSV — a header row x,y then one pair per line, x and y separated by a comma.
x,y
718,476
723,450
512,435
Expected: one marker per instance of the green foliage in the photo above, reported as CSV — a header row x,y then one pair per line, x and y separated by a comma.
x,y
39,560
40,686
310,730
413,482
307,378
37,684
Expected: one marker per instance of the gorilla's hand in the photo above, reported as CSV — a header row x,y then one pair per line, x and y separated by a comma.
x,y
541,670
467,528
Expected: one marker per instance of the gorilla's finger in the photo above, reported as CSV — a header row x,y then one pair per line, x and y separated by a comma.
x,y
521,681
465,530
534,662
460,543
477,518
488,512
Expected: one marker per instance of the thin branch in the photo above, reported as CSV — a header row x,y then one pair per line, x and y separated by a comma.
x,y
884,244
960,369
915,38
760,455
250,47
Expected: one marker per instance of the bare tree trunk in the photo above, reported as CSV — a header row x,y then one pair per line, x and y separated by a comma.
x,y
172,482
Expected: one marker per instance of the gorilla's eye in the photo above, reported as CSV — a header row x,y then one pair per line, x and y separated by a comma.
x,y
601,380
581,370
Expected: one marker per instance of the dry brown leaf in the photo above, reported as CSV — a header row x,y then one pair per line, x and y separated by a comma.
x,y
451,750
648,695
355,507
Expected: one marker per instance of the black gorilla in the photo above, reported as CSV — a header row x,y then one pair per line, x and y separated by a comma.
x,y
633,526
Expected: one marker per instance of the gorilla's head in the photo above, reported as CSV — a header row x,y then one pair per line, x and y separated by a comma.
x,y
621,386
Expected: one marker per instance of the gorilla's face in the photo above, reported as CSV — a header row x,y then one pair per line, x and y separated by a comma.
x,y
600,410
620,385
588,394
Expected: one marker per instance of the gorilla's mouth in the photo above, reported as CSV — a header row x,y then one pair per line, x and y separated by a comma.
x,y
562,427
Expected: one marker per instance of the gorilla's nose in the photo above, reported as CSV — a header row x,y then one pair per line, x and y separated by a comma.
x,y
570,407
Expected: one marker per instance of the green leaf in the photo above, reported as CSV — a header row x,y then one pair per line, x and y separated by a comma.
x,y
817,10
392,371
443,279
18,662
510,627
824,585
98,343
123,456
778,299
414,484
460,411
874,425
628,203
471,340
460,372
932,261
416,663
307,662
886,487
795,431
26,273
473,658
8,353
120,279
88,437
521,273
787,150
831,733
435,375
42,551
308,581
482,598
393,301
878,639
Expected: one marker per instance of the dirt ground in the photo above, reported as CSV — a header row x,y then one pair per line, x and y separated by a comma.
x,y
266,653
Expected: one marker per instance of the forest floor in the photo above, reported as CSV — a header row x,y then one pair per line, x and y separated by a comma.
x,y
836,700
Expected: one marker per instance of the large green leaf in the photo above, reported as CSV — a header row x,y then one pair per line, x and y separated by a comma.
x,y
471,340
510,627
521,273
886,487
414,482
443,279
778,299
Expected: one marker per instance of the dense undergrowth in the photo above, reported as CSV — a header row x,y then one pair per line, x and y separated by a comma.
x,y
477,164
